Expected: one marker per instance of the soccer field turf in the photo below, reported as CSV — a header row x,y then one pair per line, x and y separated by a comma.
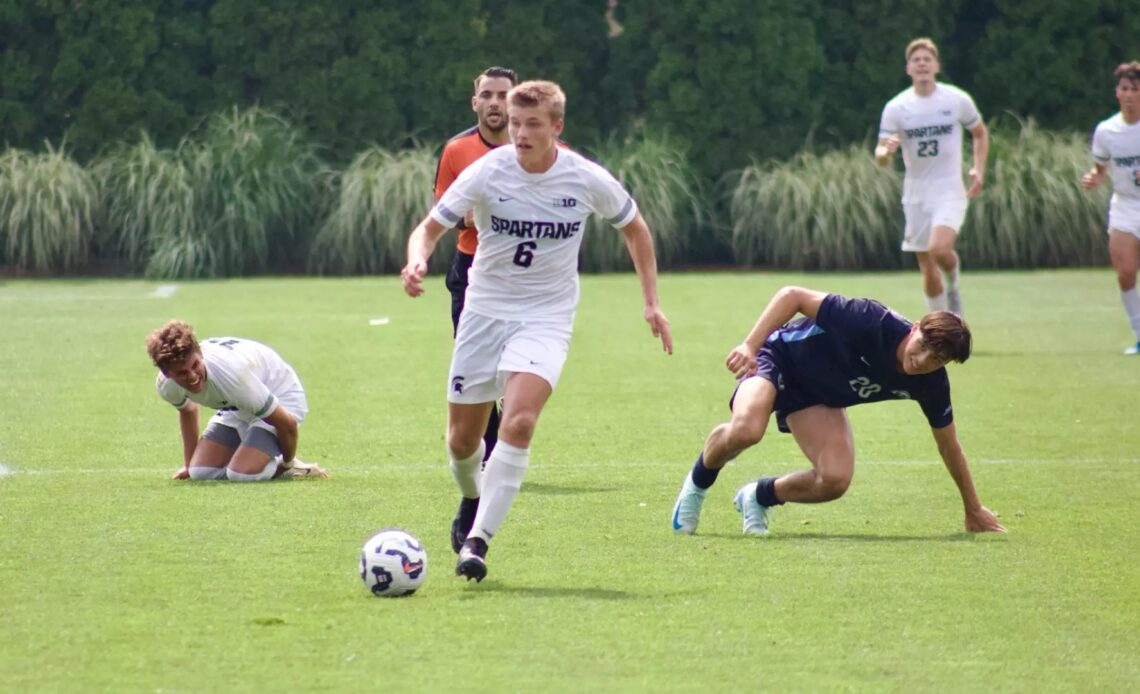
x,y
114,577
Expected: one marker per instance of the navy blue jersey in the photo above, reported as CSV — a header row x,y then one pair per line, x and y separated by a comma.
x,y
847,356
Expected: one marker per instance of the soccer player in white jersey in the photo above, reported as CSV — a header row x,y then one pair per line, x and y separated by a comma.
x,y
926,121
259,401
531,200
1116,144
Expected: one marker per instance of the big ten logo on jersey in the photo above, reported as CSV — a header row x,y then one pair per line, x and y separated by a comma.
x,y
864,387
565,202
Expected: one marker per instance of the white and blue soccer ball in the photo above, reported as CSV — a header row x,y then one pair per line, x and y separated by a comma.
x,y
393,563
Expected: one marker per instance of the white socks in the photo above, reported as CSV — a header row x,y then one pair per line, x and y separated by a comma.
x,y
207,473
1131,300
501,482
937,303
951,278
466,471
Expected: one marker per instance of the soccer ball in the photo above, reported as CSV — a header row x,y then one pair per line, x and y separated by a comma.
x,y
393,563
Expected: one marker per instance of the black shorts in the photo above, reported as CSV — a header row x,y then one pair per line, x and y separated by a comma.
x,y
787,401
456,283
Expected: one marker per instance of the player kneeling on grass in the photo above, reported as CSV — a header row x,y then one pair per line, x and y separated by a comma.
x,y
259,401
843,352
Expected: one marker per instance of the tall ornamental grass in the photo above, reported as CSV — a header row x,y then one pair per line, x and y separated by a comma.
x,y
1032,211
238,197
47,204
833,211
379,199
668,194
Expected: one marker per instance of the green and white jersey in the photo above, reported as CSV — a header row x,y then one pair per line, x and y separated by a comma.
x,y
242,375
530,229
1116,146
930,130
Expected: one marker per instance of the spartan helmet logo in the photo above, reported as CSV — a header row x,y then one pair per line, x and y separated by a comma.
x,y
457,384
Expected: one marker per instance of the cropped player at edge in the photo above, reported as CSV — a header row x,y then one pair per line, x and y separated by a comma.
x,y
259,401
1116,147
842,352
926,122
531,200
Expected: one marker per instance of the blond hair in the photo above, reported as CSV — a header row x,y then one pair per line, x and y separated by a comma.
x,y
171,343
1128,71
920,43
539,93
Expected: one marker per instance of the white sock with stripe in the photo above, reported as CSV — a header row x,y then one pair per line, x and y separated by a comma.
x,y
501,482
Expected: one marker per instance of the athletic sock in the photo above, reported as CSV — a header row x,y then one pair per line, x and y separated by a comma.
x,y
703,477
501,482
766,492
266,473
466,472
937,303
953,277
1131,299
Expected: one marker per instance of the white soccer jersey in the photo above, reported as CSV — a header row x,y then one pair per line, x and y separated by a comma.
x,y
930,128
1116,145
241,375
530,229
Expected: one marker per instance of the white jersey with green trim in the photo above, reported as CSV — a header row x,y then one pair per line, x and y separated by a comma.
x,y
1116,146
530,229
241,375
930,130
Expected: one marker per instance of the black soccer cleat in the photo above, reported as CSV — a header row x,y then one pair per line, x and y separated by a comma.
x,y
471,563
464,519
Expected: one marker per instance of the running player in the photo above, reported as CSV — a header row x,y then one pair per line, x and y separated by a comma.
x,y
259,401
926,121
490,131
1116,142
843,352
530,200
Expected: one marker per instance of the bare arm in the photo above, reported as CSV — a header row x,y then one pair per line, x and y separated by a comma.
x,y
287,432
1094,176
978,517
782,308
981,138
639,243
420,245
188,426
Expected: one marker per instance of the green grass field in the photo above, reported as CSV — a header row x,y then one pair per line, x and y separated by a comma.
x,y
115,578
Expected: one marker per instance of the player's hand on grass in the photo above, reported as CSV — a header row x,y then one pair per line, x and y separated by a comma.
x,y
741,361
413,278
659,324
182,474
983,520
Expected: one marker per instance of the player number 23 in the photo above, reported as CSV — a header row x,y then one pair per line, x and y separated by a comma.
x,y
928,148
524,253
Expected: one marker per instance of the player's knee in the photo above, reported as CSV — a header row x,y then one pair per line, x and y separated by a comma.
x,y
266,474
832,485
518,426
1126,280
744,433
207,473
462,445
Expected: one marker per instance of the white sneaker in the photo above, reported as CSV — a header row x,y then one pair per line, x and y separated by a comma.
x,y
297,468
687,510
755,516
1134,349
954,302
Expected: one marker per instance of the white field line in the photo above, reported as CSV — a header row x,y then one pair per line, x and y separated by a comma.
x,y
164,291
387,468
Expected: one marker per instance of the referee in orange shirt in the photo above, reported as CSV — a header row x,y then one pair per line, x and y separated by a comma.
x,y
490,106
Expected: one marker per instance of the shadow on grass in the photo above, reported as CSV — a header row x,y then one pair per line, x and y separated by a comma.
x,y
561,490
794,537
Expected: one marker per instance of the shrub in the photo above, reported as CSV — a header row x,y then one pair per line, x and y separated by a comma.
x,y
46,210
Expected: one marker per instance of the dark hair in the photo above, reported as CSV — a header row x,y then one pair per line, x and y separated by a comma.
x,y
172,342
1128,71
496,71
947,335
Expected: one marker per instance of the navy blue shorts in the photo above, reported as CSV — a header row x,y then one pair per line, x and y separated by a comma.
x,y
787,402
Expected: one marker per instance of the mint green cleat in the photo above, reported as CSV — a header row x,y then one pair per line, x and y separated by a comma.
x,y
1134,349
755,516
687,510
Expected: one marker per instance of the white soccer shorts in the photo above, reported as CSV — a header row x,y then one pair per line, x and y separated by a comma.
x,y
294,401
1124,215
487,350
922,217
